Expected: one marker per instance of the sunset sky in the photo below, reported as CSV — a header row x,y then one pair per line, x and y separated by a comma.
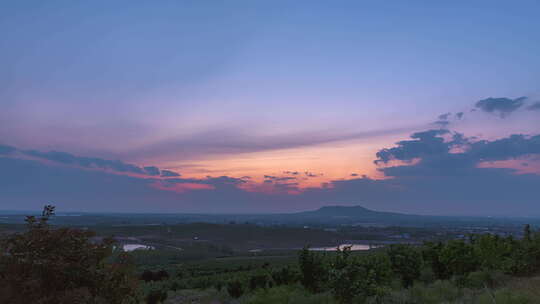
x,y
428,107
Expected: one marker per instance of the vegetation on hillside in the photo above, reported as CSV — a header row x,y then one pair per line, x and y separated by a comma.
x,y
47,264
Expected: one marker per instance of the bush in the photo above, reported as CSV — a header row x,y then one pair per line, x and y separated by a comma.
x,y
235,289
314,274
406,262
285,276
459,257
431,254
439,292
504,296
156,296
287,294
258,281
427,275
45,265
360,277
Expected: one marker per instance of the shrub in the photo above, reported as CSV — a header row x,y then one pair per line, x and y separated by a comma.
x,y
313,271
156,296
258,281
406,262
504,296
427,275
431,254
285,276
360,277
458,257
439,292
45,265
235,289
287,294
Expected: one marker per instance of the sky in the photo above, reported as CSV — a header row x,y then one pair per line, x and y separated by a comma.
x,y
270,106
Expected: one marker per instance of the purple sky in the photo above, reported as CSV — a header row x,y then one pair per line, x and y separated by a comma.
x,y
187,106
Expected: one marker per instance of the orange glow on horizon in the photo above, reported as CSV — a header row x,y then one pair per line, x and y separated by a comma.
x,y
307,166
181,187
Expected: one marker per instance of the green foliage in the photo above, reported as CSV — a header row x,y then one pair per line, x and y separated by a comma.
x,y
492,251
284,276
359,277
149,275
156,294
427,275
235,289
431,254
505,296
314,274
438,292
45,265
485,279
406,262
288,294
459,257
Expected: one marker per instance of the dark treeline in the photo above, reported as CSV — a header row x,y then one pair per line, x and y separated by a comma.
x,y
63,265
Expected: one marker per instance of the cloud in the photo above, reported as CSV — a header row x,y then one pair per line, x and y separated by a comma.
x,y
423,144
291,172
168,173
534,107
434,171
501,106
435,153
6,150
444,116
279,179
442,123
221,141
514,146
437,171
459,115
152,170
84,162
28,183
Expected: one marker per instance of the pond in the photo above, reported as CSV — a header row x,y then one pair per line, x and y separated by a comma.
x,y
354,247
131,247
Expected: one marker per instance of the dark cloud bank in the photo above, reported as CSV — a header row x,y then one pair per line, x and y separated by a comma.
x,y
86,162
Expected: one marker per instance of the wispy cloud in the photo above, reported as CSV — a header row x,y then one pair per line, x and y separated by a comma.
x,y
240,140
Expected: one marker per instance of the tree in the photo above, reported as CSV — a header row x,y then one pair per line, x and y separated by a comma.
x,y
527,233
406,262
235,289
431,254
284,276
355,278
312,269
459,258
45,265
258,281
147,276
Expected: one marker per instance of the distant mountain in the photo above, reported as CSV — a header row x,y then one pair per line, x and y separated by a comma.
x,y
351,215
346,211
